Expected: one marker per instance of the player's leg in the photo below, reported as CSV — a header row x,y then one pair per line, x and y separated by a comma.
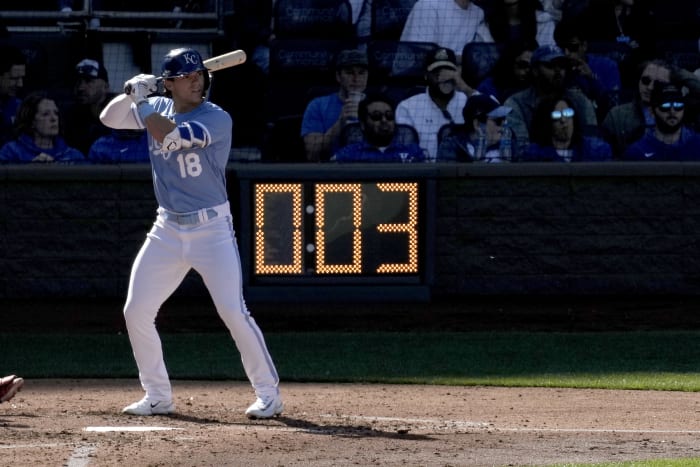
x,y
156,273
216,259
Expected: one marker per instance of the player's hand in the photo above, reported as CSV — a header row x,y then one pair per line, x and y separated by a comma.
x,y
140,87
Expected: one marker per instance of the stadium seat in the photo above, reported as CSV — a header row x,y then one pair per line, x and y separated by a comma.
x,y
300,69
282,140
398,63
389,17
446,130
478,58
308,19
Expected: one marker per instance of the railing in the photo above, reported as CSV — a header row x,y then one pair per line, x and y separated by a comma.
x,y
201,23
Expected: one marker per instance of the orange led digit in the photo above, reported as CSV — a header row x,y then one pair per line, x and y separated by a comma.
x,y
322,191
264,194
410,227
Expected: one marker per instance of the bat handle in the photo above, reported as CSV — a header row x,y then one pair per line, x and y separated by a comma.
x,y
161,86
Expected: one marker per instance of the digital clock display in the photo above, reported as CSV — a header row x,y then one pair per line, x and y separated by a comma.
x,y
336,229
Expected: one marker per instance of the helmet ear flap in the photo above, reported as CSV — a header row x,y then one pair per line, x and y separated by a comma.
x,y
207,80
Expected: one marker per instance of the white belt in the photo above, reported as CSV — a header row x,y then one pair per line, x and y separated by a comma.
x,y
195,217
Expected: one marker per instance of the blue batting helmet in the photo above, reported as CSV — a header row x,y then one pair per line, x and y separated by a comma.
x,y
183,61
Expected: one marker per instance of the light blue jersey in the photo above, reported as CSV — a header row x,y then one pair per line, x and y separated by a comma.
x,y
195,178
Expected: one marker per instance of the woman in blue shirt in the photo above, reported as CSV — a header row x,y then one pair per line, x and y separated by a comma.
x,y
39,134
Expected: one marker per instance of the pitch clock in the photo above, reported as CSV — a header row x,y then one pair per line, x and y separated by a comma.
x,y
335,228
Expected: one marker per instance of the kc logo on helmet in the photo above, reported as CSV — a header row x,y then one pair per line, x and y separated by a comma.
x,y
191,58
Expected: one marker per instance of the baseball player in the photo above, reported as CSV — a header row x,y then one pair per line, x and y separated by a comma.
x,y
189,141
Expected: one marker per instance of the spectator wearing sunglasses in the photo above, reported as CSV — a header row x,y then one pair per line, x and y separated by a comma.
x,y
479,138
377,119
550,71
557,135
670,139
626,123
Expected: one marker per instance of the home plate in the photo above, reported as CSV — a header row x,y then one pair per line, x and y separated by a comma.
x,y
107,429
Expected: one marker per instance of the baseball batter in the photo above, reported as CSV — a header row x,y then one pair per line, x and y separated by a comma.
x,y
189,142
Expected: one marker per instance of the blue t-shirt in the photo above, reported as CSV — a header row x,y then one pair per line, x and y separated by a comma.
x,y
649,148
321,114
120,146
364,152
191,179
592,149
23,150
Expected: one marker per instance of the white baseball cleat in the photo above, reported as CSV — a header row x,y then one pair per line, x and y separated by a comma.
x,y
147,407
265,407
9,386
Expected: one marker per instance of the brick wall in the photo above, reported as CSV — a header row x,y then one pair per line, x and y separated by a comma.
x,y
609,228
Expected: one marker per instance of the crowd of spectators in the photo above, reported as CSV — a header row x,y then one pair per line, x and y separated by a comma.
x,y
576,79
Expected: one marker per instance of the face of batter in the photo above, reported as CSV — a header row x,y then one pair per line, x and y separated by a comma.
x,y
186,90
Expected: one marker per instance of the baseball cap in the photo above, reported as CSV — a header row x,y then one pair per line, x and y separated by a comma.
x,y
483,104
441,58
89,68
668,92
547,54
351,57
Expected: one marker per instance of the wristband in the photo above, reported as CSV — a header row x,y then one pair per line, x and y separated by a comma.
x,y
144,109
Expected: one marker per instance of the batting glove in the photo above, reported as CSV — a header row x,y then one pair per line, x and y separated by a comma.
x,y
140,87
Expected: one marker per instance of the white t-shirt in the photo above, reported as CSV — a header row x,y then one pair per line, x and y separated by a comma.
x,y
424,115
444,23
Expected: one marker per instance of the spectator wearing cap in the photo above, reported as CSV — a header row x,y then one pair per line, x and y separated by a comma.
x,y
13,70
627,122
670,139
479,138
440,104
377,121
448,23
325,116
91,93
557,135
549,67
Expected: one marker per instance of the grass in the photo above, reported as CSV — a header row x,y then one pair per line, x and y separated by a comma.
x,y
663,360
694,462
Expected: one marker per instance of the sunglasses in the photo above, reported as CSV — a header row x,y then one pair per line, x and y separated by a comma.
x,y
564,113
646,81
522,64
378,116
499,121
667,106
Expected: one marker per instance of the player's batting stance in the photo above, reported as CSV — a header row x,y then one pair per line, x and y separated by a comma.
x,y
189,141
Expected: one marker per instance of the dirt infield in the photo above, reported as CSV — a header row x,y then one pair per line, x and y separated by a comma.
x,y
77,423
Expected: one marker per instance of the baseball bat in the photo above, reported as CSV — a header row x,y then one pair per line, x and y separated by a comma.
x,y
227,60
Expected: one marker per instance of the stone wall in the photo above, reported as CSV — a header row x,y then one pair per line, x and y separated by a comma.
x,y
611,228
